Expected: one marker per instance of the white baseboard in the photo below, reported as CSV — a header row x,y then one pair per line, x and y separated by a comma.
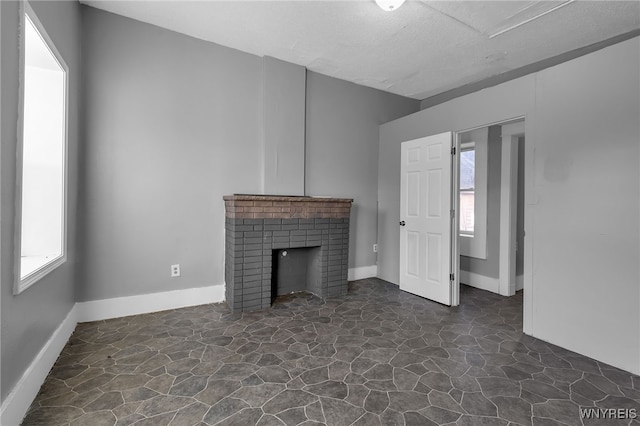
x,y
362,272
15,406
480,281
96,310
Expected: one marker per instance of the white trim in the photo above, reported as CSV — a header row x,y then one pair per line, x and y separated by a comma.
x,y
519,282
454,225
529,210
22,395
22,283
362,272
526,21
508,212
15,406
96,310
480,281
510,133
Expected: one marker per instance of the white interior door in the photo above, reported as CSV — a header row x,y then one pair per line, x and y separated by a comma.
x,y
426,220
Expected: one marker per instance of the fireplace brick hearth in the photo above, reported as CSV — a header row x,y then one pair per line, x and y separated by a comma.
x,y
258,225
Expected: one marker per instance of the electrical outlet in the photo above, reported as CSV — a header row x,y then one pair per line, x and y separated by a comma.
x,y
175,271
375,248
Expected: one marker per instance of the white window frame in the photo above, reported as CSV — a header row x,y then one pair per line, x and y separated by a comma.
x,y
468,146
475,245
21,284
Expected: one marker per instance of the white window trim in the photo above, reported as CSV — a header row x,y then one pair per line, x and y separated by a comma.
x,y
475,245
21,284
468,146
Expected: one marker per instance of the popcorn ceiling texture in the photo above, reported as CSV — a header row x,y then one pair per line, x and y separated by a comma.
x,y
420,50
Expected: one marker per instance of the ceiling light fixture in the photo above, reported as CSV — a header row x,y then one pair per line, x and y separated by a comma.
x,y
389,5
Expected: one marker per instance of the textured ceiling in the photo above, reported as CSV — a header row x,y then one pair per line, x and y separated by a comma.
x,y
420,50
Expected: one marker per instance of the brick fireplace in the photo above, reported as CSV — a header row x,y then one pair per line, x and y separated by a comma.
x,y
259,231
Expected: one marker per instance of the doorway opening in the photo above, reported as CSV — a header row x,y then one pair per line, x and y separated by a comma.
x,y
490,203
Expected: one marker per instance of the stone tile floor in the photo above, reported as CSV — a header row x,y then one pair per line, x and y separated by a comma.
x,y
378,356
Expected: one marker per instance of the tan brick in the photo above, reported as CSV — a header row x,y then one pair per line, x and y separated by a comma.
x,y
272,209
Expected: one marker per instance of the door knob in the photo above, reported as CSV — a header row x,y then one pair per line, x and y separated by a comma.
x,y
402,223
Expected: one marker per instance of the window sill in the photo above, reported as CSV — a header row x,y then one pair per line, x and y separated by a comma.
x,y
472,246
24,283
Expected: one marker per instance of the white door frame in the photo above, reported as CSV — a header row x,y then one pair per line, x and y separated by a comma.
x,y
455,222
511,133
512,130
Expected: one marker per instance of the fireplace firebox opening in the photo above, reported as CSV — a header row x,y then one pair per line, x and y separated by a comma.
x,y
295,270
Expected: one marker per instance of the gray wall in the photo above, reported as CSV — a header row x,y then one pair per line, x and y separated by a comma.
x,y
490,267
582,195
284,87
172,124
342,151
30,318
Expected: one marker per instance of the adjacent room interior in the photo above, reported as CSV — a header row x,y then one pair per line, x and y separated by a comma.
x,y
491,205
322,212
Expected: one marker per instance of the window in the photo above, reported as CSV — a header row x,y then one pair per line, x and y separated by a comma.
x,y
472,203
41,167
467,189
